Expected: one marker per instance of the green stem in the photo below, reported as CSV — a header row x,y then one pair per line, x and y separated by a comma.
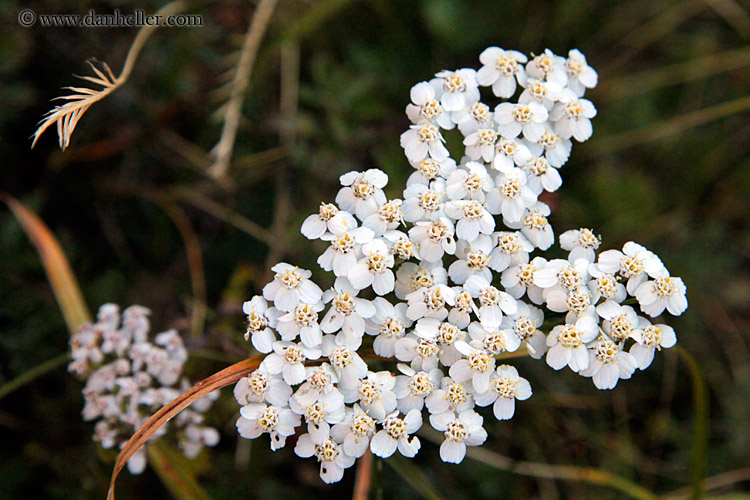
x,y
33,374
699,454
590,475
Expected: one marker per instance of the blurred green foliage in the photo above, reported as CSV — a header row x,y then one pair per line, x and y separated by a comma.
x,y
679,189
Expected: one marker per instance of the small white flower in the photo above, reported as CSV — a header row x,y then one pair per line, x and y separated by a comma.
x,y
414,386
567,344
634,264
664,292
354,432
492,302
519,280
388,216
374,394
470,182
460,314
481,144
512,119
535,226
562,274
421,353
347,364
525,325
362,193
411,277
512,248
608,364
329,218
606,286
302,321
332,459
477,366
434,238
319,411
473,259
460,88
421,140
471,119
341,256
347,313
542,176
401,246
374,268
423,202
510,196
257,325
452,396
430,302
651,338
472,218
462,430
555,149
572,117
395,435
549,67
510,153
320,380
447,335
581,76
506,386
288,359
429,170
290,286
500,68
388,324
541,92
494,340
259,387
258,418
620,322
425,107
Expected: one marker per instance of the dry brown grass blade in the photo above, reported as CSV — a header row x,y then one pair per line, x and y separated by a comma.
x,y
67,115
59,274
218,380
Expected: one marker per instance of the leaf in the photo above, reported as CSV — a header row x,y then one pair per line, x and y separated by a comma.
x,y
59,274
33,373
218,380
175,471
412,475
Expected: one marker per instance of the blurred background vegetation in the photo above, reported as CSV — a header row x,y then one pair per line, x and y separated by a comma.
x,y
142,222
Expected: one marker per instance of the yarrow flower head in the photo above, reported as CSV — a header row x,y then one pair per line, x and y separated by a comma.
x,y
445,280
128,378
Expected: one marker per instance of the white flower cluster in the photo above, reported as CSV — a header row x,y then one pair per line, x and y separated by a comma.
x,y
444,288
128,378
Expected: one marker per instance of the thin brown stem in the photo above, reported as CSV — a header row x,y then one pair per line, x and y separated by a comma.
x,y
222,153
363,478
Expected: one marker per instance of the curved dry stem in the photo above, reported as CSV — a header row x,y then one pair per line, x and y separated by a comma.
x,y
218,380
66,116
222,152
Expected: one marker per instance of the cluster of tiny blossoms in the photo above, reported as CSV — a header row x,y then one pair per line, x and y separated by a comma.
x,y
128,378
444,281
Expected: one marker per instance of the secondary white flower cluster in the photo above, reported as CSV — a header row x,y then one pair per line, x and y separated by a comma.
x,y
128,378
443,280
